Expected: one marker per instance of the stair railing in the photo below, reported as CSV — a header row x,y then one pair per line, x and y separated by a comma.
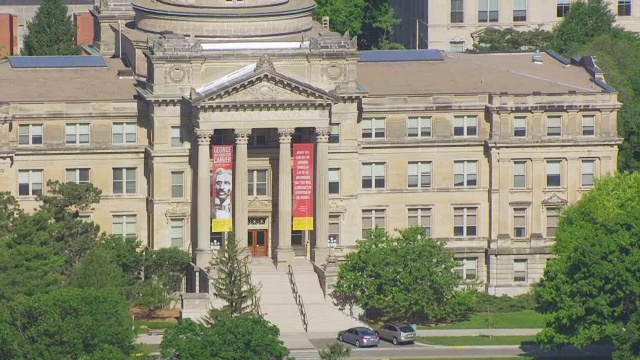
x,y
298,298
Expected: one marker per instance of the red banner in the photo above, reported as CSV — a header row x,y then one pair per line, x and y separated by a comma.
x,y
222,184
303,187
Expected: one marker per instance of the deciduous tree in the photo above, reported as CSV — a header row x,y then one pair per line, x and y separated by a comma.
x,y
511,40
581,24
51,32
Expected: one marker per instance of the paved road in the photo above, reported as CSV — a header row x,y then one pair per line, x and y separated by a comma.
x,y
478,332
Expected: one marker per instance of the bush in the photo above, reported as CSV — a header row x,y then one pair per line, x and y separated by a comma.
x,y
505,303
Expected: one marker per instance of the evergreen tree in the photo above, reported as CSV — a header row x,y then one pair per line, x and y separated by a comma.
x,y
233,283
51,32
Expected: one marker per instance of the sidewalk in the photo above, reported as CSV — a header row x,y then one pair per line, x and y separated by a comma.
x,y
478,332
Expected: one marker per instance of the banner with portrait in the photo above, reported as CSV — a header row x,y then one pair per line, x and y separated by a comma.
x,y
222,184
303,186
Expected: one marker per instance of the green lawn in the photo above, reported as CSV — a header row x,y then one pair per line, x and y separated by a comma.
x,y
475,340
513,320
142,327
513,358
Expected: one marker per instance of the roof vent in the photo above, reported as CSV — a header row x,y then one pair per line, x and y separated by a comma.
x,y
537,58
325,22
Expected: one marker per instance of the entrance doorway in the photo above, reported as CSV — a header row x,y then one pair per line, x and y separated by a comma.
x,y
257,241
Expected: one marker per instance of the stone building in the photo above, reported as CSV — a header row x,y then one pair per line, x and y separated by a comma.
x,y
480,150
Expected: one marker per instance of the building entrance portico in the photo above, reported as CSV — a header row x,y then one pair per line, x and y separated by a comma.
x,y
257,242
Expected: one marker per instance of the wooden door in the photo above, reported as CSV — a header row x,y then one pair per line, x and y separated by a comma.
x,y
257,241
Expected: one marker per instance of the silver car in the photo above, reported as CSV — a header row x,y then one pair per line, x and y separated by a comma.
x,y
397,333
359,336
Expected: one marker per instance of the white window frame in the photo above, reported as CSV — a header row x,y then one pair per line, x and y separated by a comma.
x,y
129,177
420,216
457,7
32,133
374,128
624,8
252,182
124,133
421,174
554,126
175,136
588,125
375,172
562,8
465,173
334,135
456,46
373,215
419,127
33,179
334,179
588,173
520,270
550,227
178,184
335,220
74,175
467,269
520,126
520,174
177,233
127,222
468,228
465,126
77,133
520,223
519,10
553,169
488,11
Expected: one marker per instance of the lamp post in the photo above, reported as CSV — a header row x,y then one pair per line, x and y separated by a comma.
x,y
332,242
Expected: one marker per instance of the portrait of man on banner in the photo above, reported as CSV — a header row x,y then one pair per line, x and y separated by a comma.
x,y
222,184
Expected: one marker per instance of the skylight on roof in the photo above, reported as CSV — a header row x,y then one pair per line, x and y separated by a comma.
x,y
274,45
40,62
401,55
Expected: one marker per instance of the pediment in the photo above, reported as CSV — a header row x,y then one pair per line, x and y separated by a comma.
x,y
555,200
268,90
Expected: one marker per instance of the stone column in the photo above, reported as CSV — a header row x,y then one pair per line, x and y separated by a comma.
x,y
203,199
320,250
240,211
284,252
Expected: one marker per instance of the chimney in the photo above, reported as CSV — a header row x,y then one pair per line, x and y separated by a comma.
x,y
325,22
537,58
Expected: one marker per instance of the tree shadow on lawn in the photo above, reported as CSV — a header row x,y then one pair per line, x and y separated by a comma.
x,y
592,352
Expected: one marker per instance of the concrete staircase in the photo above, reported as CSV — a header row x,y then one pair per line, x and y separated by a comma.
x,y
305,354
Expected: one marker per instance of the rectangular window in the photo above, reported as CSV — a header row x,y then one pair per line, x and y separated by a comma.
x,y
125,133
373,128
465,126
588,173
519,10
467,269
124,180
30,182
465,173
520,223
257,183
419,174
554,178
258,137
297,237
553,215
76,134
487,10
177,233
457,11
588,125
562,7
334,228
520,270
177,184
554,126
465,221
334,137
125,226
30,134
420,217
419,127
334,181
456,46
520,126
176,137
78,176
624,7
373,175
372,219
519,174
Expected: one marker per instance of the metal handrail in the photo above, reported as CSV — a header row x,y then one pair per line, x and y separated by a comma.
x,y
298,299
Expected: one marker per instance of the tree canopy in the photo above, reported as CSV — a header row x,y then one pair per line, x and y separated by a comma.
x,y
51,32
406,277
590,291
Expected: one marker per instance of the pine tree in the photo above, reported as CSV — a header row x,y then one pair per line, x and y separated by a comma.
x,y
233,283
51,32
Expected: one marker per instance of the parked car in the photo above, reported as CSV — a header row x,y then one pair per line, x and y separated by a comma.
x,y
397,333
359,336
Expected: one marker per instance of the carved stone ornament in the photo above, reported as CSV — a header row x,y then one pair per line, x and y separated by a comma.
x,y
322,134
204,136
265,63
177,210
285,135
333,71
554,200
176,73
265,91
337,206
242,136
259,204
194,94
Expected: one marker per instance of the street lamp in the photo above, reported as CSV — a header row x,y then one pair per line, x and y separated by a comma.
x,y
332,242
215,245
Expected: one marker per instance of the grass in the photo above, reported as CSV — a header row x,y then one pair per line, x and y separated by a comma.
x,y
475,340
516,358
142,327
527,319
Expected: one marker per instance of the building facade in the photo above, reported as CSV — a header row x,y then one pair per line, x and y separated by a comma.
x,y
480,150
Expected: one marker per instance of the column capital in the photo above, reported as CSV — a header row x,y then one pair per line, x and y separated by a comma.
x,y
242,136
285,134
204,136
322,134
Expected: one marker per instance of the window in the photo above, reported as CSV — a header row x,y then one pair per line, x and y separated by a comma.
x,y
29,182
30,134
177,233
520,270
465,126
419,127
258,137
488,10
125,133
420,217
372,219
79,176
297,237
465,221
124,180
177,184
373,175
334,137
588,125
520,126
554,126
519,10
176,137
553,215
588,172
84,217
334,228
76,134
456,46
554,179
519,174
373,128
257,183
465,173
562,7
520,223
334,181
125,226
419,174
624,7
457,11
467,269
